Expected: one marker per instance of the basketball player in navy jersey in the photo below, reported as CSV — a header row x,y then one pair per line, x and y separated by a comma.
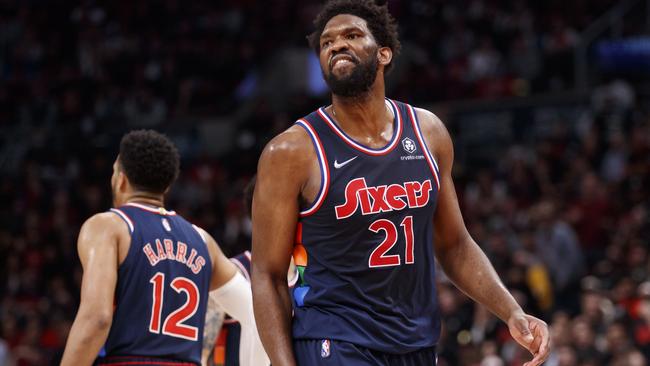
x,y
147,271
361,191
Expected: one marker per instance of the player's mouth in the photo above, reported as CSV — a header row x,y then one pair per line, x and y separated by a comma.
x,y
342,59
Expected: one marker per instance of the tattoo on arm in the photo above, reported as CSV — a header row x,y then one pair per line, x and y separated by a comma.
x,y
213,321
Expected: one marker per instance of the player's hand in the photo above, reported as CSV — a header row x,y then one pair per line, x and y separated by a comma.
x,y
532,334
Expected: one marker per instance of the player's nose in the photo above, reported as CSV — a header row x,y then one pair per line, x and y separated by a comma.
x,y
339,44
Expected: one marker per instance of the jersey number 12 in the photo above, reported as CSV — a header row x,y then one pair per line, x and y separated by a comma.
x,y
173,325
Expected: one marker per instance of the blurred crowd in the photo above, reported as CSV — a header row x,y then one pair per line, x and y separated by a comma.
x,y
565,220
147,61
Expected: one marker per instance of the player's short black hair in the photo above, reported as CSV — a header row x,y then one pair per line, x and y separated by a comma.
x,y
248,195
150,160
382,25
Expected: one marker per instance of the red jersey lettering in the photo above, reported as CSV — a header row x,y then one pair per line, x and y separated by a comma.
x,y
384,198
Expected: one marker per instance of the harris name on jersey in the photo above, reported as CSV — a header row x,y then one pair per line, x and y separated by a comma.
x,y
166,249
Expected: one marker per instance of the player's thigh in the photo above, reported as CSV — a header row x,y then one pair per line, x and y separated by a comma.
x,y
317,352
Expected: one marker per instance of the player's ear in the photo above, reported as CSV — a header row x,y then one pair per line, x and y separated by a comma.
x,y
384,55
122,182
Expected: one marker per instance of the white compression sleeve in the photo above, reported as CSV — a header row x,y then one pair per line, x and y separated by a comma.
x,y
236,299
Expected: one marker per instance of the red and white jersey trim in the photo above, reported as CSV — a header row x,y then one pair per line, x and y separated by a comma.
x,y
324,168
241,268
375,152
430,159
124,217
198,230
156,210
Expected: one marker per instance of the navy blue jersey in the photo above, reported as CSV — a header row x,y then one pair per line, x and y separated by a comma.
x,y
243,263
364,247
162,287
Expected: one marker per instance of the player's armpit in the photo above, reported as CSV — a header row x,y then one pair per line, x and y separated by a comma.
x,y
98,247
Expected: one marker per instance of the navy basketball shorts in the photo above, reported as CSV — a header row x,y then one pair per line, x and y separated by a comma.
x,y
313,352
141,361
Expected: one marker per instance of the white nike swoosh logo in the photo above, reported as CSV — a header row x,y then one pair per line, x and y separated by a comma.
x,y
340,165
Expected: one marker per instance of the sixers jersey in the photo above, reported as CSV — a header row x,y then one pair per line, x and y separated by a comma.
x,y
162,287
364,248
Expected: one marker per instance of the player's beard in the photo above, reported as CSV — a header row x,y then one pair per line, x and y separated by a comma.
x,y
357,82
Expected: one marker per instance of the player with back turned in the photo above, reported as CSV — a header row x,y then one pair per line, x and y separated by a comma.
x,y
147,271
361,193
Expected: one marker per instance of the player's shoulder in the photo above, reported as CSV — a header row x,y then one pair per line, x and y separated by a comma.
x,y
429,122
103,225
293,140
290,148
208,239
435,132
104,220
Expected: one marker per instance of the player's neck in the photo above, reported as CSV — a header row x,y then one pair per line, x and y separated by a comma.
x,y
146,199
367,112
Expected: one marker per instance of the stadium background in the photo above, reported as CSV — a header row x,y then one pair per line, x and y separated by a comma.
x,y
547,102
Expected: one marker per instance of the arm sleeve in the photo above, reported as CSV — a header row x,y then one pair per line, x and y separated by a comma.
x,y
236,299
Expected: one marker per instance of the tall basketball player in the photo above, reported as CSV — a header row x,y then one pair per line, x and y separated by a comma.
x,y
148,271
361,193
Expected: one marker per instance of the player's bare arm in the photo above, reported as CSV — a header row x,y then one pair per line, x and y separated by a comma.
x,y
463,260
283,177
223,270
232,293
98,247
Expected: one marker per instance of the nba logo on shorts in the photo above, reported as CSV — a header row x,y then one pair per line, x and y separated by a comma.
x,y
325,348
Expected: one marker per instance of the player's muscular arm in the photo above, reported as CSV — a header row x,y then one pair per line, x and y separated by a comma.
x,y
464,261
98,244
283,172
223,270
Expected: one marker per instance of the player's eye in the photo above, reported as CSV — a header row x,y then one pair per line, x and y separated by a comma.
x,y
326,44
352,36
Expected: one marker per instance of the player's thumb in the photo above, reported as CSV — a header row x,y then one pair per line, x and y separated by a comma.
x,y
521,324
